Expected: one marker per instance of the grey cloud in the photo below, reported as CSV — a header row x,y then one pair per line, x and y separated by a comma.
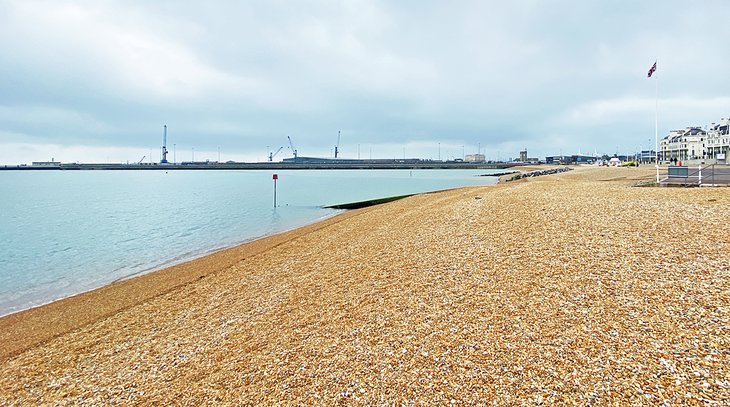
x,y
246,74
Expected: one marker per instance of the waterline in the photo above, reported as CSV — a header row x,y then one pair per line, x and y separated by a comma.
x,y
70,232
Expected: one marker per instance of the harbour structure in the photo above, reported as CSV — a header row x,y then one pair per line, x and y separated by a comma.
x,y
291,145
523,155
52,163
353,161
164,146
299,163
273,154
474,158
337,146
531,160
573,159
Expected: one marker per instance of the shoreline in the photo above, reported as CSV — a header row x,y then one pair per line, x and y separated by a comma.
x,y
16,324
24,329
209,252
193,255
172,263
136,288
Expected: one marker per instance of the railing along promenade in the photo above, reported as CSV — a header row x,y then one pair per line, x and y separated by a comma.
x,y
707,175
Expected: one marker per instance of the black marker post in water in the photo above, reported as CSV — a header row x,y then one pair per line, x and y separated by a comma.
x,y
275,177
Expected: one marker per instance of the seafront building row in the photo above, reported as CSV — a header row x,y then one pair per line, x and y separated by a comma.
x,y
697,144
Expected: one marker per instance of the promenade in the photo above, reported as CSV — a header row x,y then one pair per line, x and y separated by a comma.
x,y
572,288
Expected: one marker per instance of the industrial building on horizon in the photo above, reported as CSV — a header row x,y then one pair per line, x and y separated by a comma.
x,y
474,158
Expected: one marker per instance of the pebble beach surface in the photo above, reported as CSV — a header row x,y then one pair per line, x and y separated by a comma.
x,y
572,288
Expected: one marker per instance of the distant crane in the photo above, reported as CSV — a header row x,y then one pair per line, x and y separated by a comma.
x,y
164,146
272,155
337,146
291,145
141,159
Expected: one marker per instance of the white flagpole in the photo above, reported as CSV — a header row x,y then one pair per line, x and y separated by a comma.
x,y
656,127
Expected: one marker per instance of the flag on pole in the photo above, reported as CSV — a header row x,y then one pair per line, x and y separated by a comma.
x,y
651,70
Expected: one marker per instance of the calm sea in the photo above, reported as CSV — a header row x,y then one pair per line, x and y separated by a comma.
x,y
65,232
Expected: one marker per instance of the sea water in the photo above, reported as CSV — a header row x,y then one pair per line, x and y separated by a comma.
x,y
65,232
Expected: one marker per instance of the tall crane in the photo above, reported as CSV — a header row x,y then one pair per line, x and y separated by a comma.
x,y
164,146
272,155
291,145
337,146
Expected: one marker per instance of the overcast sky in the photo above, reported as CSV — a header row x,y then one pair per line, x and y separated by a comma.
x,y
97,80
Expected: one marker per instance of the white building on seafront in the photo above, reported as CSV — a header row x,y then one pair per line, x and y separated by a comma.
x,y
694,145
718,141
683,145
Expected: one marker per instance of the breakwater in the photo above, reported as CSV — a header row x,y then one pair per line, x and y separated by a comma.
x,y
348,165
539,173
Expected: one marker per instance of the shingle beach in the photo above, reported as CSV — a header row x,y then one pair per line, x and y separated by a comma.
x,y
572,288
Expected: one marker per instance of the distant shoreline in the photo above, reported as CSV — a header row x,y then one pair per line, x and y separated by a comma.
x,y
365,165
